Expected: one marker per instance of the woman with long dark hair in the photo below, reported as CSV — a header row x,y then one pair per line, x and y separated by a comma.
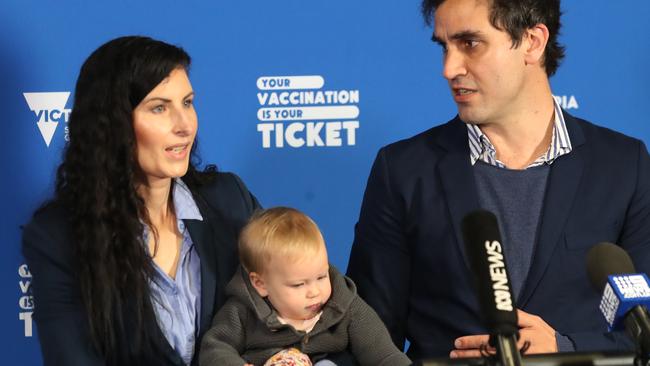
x,y
131,256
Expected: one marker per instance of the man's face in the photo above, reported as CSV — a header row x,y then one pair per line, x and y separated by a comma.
x,y
484,72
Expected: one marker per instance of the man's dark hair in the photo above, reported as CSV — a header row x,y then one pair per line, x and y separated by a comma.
x,y
515,17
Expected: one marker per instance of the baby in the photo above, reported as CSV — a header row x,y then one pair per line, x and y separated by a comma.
x,y
286,303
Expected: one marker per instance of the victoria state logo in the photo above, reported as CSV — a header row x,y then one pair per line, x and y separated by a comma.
x,y
49,109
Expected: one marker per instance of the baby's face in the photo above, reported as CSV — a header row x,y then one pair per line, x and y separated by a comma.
x,y
297,288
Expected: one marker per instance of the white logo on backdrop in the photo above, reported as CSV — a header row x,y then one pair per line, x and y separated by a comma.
x,y
567,101
296,112
26,300
49,109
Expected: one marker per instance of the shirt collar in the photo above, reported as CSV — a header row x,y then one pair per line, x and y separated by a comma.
x,y
184,203
480,147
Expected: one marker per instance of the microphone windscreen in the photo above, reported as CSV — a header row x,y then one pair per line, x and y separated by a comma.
x,y
605,259
485,253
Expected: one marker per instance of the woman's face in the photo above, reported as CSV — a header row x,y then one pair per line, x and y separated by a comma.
x,y
165,125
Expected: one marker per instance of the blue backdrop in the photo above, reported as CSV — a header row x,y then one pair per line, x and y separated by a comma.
x,y
371,62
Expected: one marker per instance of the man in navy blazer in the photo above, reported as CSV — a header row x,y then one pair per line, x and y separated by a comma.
x,y
558,185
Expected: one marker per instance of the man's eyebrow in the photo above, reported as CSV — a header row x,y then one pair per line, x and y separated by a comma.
x,y
437,40
458,36
466,34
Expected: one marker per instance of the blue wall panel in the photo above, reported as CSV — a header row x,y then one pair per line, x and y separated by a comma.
x,y
381,49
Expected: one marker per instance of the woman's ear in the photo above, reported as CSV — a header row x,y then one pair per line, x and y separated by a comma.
x,y
258,283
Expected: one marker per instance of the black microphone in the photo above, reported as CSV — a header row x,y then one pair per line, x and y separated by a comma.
x,y
485,252
626,294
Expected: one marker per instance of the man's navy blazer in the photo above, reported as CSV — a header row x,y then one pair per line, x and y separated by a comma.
x,y
408,259
60,317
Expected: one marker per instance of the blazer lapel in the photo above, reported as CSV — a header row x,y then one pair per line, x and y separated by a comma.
x,y
458,183
214,241
201,235
202,238
563,181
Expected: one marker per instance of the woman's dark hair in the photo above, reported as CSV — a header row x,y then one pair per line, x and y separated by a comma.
x,y
515,17
97,182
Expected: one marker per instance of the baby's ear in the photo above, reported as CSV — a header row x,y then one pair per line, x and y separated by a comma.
x,y
258,283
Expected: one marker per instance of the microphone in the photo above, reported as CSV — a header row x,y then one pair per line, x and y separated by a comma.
x,y
485,252
626,294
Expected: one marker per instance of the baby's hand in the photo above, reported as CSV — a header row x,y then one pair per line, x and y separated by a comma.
x,y
289,357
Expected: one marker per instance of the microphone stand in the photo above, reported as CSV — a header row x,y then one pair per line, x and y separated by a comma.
x,y
507,351
637,324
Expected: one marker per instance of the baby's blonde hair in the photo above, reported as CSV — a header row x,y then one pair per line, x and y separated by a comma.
x,y
278,231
